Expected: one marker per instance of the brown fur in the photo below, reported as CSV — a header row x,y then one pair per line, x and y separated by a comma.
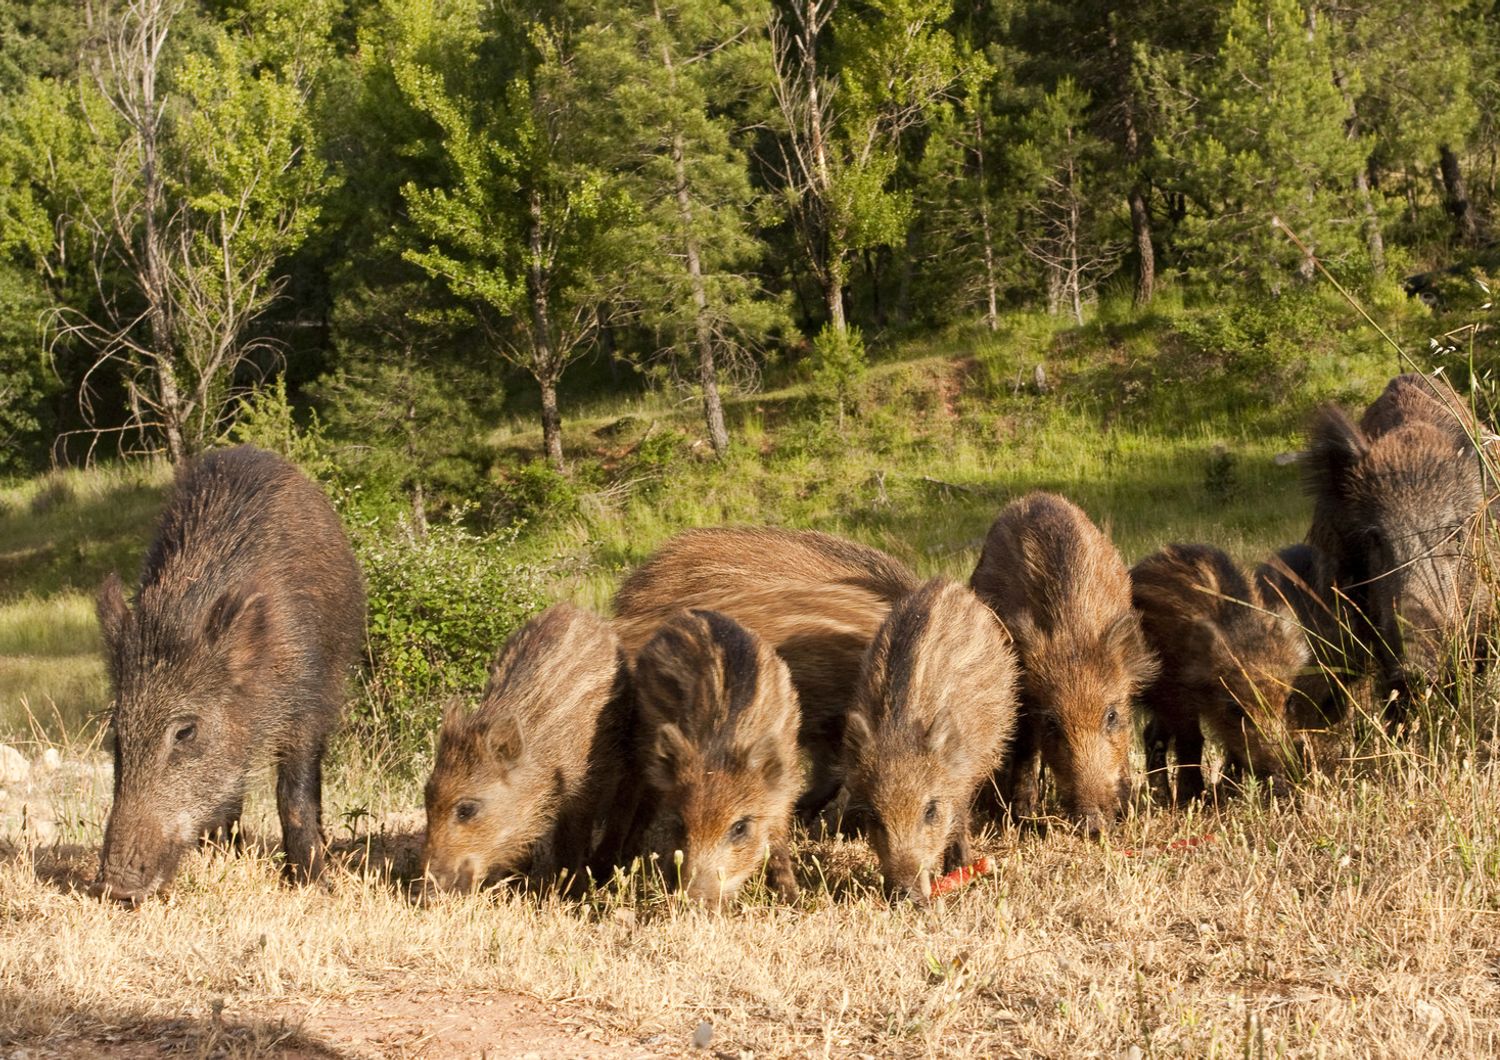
x,y
1399,511
249,616
1063,592
1298,576
1230,662
719,745
934,712
814,598
522,783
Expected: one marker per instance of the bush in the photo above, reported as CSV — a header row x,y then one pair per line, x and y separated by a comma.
x,y
535,492
839,365
440,607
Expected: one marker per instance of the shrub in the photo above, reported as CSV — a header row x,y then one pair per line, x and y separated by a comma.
x,y
535,492
839,364
440,607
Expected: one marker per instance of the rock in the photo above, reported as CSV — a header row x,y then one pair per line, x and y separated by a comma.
x,y
703,1035
49,761
14,769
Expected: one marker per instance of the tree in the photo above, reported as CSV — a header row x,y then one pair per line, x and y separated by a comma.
x,y
195,180
845,109
525,226
1260,136
1063,227
679,78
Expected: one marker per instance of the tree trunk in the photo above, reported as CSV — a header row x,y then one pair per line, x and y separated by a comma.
x,y
1457,195
708,373
1140,224
1374,241
833,297
986,232
544,367
171,410
551,423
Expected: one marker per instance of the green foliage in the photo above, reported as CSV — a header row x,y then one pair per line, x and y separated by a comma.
x,y
25,381
266,419
536,493
1268,140
839,366
440,606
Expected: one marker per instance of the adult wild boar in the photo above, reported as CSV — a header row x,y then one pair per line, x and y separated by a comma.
x,y
1401,513
521,783
1230,658
249,615
933,715
719,741
1062,590
816,599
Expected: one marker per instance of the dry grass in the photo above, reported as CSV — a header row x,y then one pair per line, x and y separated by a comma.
x,y
1363,921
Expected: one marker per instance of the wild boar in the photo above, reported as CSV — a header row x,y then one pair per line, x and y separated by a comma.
x,y
933,714
719,739
1062,590
1401,513
1230,659
249,615
522,784
816,599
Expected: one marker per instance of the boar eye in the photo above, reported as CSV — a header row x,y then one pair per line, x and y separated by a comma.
x,y
185,734
739,830
931,816
465,810
1111,718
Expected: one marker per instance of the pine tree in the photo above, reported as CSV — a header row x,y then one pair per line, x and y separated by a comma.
x,y
680,79
1263,141
524,225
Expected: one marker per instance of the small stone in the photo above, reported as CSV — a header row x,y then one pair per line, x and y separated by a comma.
x,y
703,1035
14,769
1133,1053
49,761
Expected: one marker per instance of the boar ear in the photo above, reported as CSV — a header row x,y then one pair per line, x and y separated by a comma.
x,y
503,740
668,757
1334,446
946,742
242,622
765,759
1124,641
112,610
858,736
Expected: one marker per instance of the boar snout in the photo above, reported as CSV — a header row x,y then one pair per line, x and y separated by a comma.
x,y
907,878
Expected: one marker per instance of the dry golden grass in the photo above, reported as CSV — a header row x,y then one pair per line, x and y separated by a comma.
x,y
1365,921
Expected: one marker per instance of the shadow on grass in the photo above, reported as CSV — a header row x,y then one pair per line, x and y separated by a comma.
x,y
56,1025
76,544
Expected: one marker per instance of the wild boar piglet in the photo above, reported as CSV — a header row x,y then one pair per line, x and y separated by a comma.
x,y
524,783
719,743
933,715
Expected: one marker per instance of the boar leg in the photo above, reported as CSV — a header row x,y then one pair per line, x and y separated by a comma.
x,y
226,830
572,838
1023,782
958,853
824,750
299,803
1156,738
779,875
1189,766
